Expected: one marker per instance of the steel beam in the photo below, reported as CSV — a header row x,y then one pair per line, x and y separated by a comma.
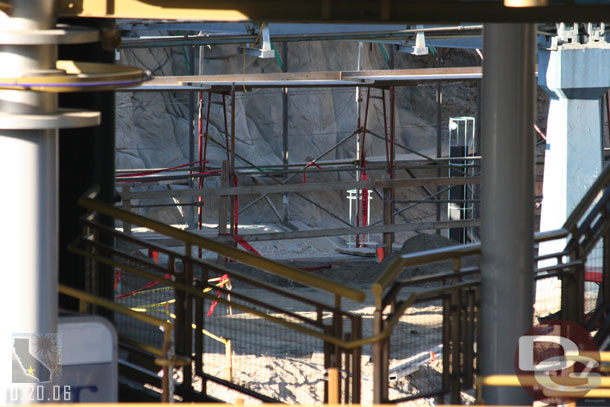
x,y
347,11
507,187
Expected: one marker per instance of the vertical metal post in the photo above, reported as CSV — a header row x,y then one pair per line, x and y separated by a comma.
x,y
285,129
388,193
29,164
605,288
573,292
507,221
188,315
380,365
439,132
357,361
358,140
454,353
191,96
233,174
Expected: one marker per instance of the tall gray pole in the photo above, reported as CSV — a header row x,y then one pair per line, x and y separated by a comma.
x,y
29,180
507,196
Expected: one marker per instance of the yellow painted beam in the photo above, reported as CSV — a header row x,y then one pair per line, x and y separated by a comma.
x,y
178,9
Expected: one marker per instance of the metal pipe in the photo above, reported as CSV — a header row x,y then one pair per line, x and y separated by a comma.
x,y
29,218
202,39
507,221
285,201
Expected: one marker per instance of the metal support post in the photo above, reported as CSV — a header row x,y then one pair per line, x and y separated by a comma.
x,y
233,180
192,135
573,293
605,288
507,215
454,353
380,361
358,139
439,132
187,374
285,129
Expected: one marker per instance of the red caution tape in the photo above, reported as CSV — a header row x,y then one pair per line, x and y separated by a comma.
x,y
223,280
146,286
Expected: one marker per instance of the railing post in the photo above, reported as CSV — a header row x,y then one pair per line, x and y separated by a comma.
x,y
454,377
468,340
380,365
188,316
337,333
573,292
333,385
357,361
179,323
446,341
127,207
200,285
605,288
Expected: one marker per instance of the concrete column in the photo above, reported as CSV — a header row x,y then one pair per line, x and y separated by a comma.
x,y
575,76
507,199
28,215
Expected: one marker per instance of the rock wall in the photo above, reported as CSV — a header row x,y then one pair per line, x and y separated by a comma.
x,y
153,128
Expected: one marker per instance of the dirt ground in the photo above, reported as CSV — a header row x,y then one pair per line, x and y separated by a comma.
x,y
289,366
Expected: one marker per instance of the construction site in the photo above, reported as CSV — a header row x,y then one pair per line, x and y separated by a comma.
x,y
333,202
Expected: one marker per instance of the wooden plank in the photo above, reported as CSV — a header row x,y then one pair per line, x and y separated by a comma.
x,y
283,188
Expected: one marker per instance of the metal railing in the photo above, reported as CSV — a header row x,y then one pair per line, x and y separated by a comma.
x,y
425,328
560,277
278,323
179,289
165,357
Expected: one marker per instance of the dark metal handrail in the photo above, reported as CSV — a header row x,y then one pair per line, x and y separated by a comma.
x,y
88,201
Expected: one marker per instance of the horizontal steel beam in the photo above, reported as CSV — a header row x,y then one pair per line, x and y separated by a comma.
x,y
284,188
221,83
310,234
347,11
363,230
